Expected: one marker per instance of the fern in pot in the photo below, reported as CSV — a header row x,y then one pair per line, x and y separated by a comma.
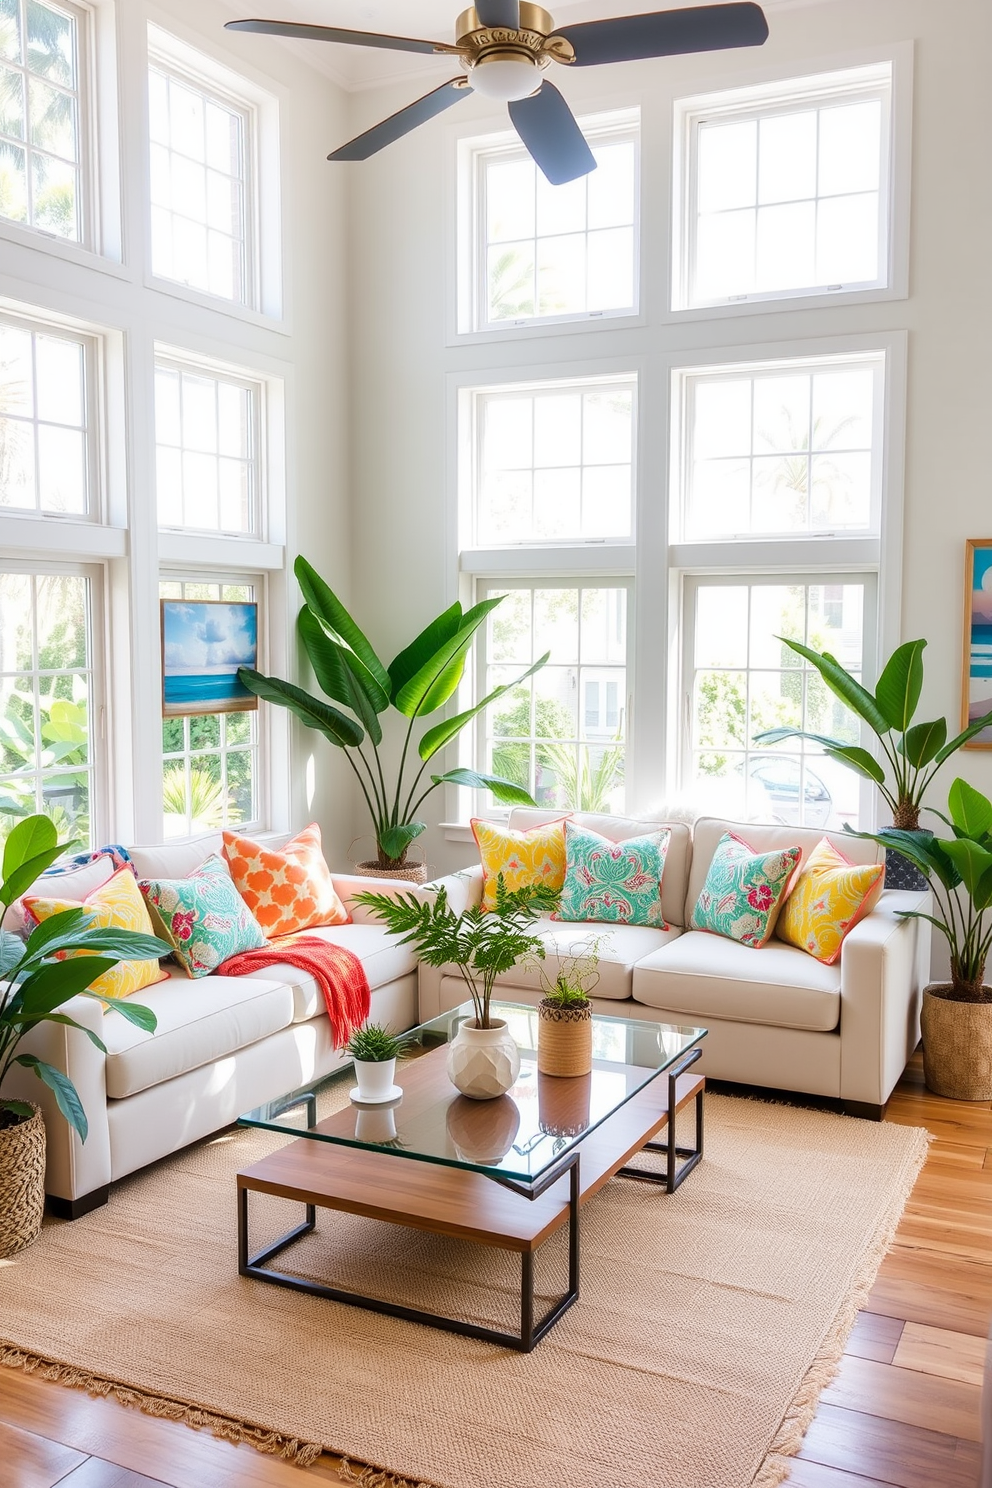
x,y
61,959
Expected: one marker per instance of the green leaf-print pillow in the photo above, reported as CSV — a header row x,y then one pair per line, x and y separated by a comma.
x,y
616,883
744,890
203,917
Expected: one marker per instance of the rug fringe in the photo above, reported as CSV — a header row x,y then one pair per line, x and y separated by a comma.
x,y
374,1477
301,1453
777,1465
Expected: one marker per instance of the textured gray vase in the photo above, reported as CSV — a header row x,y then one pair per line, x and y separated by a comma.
x,y
483,1062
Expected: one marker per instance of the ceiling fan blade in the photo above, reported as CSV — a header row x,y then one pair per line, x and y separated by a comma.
x,y
332,33
499,13
547,127
399,124
666,33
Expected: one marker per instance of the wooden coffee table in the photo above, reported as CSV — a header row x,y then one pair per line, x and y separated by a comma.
x,y
506,1173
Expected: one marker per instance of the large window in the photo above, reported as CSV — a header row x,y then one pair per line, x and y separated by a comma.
x,y
786,189
210,764
41,116
561,733
207,460
45,381
200,185
46,700
545,252
554,462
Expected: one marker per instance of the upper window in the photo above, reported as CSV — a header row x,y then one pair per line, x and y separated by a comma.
x,y
788,448
554,462
551,252
41,116
44,438
786,189
200,185
208,470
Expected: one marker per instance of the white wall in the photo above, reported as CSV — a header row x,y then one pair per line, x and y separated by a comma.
x,y
401,285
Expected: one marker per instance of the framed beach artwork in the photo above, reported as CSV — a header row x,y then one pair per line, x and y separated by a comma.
x,y
976,690
204,641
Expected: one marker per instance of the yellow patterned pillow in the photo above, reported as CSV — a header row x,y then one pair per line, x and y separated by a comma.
x,y
830,896
534,857
118,902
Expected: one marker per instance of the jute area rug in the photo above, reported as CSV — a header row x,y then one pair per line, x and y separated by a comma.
x,y
707,1325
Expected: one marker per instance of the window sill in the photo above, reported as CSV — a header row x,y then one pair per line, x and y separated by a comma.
x,y
758,305
35,240
585,324
232,309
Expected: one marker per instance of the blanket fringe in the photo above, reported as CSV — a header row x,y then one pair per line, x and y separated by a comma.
x,y
301,1453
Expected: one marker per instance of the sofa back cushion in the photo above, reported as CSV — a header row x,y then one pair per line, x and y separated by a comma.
x,y
180,859
618,829
709,829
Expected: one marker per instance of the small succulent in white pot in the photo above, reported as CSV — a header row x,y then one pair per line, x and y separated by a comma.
x,y
375,1049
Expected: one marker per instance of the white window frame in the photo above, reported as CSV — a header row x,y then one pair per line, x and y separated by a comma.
x,y
471,273
784,90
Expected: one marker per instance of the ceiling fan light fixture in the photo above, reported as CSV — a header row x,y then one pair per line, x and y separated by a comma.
x,y
505,77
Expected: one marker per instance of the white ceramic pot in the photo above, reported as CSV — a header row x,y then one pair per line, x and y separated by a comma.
x,y
376,1126
483,1132
483,1062
375,1078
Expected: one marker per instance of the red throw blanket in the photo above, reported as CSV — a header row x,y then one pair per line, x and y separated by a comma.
x,y
338,973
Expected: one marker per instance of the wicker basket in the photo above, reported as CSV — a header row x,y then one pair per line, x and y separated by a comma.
x,y
22,1183
564,1040
412,873
957,1045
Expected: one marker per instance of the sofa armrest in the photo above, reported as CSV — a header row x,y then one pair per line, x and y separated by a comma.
x,y
885,963
347,885
72,1168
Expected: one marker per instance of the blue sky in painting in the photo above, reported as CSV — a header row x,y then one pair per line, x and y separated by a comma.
x,y
201,638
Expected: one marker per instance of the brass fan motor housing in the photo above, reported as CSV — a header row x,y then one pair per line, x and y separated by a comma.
x,y
534,42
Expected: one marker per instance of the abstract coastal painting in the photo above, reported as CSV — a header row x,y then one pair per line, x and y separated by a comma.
x,y
976,691
203,644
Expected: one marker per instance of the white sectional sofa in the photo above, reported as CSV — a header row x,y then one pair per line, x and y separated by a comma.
x,y
776,1016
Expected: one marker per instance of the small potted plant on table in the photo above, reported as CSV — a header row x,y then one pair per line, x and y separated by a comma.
x,y
564,1027
375,1050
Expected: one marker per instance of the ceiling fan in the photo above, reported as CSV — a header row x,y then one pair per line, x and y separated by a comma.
x,y
504,46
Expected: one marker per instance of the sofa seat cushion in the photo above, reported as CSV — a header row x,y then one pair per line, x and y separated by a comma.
x,y
384,959
708,976
198,1022
619,948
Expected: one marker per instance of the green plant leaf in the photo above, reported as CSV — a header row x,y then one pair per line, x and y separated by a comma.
x,y
394,841
420,650
442,733
19,1108
329,610
333,724
431,687
57,926
333,674
10,806
925,852
860,761
898,689
27,840
25,874
964,737
11,951
971,861
842,685
53,984
982,896
109,940
65,1092
506,791
921,743
970,810
134,1012
71,1023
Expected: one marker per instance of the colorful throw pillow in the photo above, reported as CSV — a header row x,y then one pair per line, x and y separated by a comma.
x,y
830,896
744,890
534,857
202,917
618,883
288,888
118,902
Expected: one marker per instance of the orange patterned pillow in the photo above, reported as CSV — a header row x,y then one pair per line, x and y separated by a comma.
x,y
287,888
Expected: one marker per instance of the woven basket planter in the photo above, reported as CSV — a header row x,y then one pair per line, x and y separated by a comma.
x,y
22,1183
413,873
564,1040
957,1045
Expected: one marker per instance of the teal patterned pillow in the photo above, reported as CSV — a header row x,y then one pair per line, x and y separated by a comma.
x,y
617,883
744,890
203,917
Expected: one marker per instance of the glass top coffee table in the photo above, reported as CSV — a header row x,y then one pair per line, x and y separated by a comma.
x,y
437,1161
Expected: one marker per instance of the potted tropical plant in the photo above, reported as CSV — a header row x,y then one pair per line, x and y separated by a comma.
x,y
375,1049
35,983
956,1016
483,1058
564,1014
913,752
418,682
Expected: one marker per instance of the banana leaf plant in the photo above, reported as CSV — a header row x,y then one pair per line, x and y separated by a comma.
x,y
913,752
416,683
34,984
959,872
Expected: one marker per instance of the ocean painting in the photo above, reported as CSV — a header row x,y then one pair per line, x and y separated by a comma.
x,y
203,644
978,626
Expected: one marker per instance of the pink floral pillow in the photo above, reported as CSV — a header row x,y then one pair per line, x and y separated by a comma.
x,y
744,890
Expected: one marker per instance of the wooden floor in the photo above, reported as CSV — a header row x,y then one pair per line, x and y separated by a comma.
x,y
903,1410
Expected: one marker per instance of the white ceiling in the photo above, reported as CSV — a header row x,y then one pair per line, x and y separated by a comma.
x,y
429,20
